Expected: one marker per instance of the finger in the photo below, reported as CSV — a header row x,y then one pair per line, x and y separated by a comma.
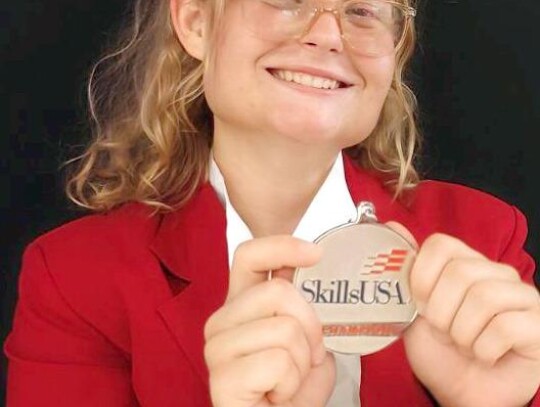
x,y
276,297
318,386
404,232
246,381
486,299
277,332
456,278
436,251
515,330
254,258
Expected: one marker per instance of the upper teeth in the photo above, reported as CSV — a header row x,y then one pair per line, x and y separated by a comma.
x,y
307,80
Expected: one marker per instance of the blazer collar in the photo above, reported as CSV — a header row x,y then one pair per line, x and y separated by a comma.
x,y
192,234
365,185
191,244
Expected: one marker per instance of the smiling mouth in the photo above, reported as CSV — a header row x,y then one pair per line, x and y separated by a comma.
x,y
317,82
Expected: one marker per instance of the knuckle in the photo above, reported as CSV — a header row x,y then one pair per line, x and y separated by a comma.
x,y
209,327
458,268
442,243
462,336
209,352
438,321
317,324
219,383
460,340
279,360
289,329
532,293
437,239
484,353
482,294
502,325
419,286
216,378
509,271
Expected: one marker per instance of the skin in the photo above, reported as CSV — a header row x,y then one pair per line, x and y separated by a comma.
x,y
264,345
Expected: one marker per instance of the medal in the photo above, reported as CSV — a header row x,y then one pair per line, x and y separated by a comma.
x,y
360,288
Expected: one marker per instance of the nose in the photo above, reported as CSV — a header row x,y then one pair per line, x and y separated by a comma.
x,y
323,32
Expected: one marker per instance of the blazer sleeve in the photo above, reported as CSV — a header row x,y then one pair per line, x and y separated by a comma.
x,y
516,256
55,357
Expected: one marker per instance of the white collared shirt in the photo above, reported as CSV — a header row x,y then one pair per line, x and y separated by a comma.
x,y
332,206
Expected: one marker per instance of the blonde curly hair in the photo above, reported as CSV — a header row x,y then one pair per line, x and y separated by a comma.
x,y
152,127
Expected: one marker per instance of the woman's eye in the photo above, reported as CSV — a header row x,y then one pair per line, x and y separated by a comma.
x,y
285,4
361,10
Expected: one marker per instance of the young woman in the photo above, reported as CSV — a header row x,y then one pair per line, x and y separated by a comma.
x,y
229,134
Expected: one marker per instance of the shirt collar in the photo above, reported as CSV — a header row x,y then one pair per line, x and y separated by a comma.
x,y
332,206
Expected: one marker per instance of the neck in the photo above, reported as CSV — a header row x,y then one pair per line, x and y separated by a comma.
x,y
271,184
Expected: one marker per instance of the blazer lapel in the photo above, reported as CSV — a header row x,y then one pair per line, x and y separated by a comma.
x,y
191,244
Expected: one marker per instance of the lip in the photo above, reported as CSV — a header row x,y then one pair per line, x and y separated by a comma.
x,y
324,73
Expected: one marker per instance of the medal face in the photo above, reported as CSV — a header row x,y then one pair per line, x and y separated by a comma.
x,y
360,288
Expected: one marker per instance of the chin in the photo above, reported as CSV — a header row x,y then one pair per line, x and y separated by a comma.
x,y
314,129
307,132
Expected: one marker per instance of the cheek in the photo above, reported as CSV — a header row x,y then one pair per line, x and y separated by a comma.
x,y
222,78
232,82
378,73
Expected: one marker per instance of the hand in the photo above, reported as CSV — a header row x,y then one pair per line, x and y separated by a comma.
x,y
476,341
264,345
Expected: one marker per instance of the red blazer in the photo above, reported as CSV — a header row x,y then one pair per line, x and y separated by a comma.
x,y
112,306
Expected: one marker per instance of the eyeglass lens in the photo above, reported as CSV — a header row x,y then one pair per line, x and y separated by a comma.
x,y
370,27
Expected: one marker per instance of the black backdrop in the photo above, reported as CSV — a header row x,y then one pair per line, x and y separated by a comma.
x,y
475,73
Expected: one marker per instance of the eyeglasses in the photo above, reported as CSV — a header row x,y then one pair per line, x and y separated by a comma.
x,y
369,27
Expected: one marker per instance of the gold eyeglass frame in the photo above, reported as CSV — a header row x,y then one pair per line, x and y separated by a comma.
x,y
318,9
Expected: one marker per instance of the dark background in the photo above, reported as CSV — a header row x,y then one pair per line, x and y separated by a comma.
x,y
475,73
